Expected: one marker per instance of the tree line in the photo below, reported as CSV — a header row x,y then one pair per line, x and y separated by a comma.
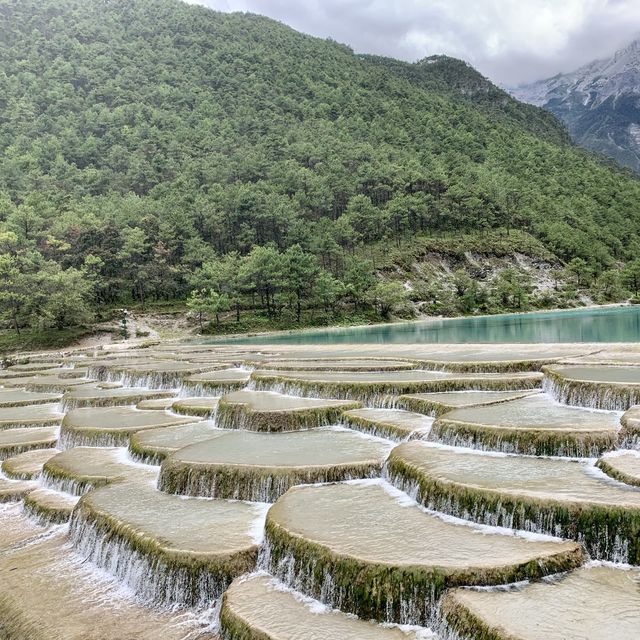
x,y
146,145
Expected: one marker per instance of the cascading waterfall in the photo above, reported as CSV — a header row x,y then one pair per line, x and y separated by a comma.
x,y
593,395
152,577
253,486
536,444
607,539
416,605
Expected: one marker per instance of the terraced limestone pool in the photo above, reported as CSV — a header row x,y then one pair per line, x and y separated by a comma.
x,y
535,425
334,492
260,467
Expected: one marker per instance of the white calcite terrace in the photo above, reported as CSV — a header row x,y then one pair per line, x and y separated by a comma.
x,y
100,426
246,465
209,491
535,424
608,601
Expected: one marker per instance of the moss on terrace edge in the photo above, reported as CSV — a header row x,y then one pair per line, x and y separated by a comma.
x,y
435,408
383,591
15,441
233,414
486,366
80,427
254,483
608,465
198,407
617,396
381,392
528,441
172,575
112,397
384,427
465,624
600,527
594,602
28,464
48,507
258,608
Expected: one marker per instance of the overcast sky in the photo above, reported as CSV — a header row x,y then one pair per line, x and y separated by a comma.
x,y
510,41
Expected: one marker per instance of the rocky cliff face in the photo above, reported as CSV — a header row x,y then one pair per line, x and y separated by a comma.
x,y
600,103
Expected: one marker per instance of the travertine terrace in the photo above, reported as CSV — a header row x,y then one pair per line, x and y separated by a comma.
x,y
342,492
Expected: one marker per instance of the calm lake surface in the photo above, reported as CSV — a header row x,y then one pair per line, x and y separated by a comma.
x,y
611,324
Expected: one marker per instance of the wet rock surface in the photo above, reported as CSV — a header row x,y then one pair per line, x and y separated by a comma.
x,y
235,491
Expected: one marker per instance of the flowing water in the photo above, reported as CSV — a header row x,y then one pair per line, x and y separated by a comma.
x,y
151,523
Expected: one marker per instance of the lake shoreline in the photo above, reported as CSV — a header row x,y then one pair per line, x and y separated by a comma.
x,y
233,337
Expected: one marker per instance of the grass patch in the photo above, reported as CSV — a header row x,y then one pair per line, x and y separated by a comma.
x,y
31,339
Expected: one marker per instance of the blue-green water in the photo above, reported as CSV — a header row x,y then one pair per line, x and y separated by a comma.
x,y
612,324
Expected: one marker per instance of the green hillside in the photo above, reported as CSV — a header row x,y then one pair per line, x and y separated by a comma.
x,y
152,150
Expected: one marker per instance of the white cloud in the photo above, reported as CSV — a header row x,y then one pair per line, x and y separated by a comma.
x,y
511,41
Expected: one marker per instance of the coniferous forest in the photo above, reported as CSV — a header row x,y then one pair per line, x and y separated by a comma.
x,y
157,154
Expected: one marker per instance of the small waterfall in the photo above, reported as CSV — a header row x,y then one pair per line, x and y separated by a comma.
x,y
612,535
254,486
370,398
70,438
43,516
155,577
239,416
593,395
405,601
534,444
65,484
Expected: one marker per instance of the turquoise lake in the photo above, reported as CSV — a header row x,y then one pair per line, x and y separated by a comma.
x,y
611,324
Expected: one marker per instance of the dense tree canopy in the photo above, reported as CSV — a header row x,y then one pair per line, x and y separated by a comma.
x,y
151,149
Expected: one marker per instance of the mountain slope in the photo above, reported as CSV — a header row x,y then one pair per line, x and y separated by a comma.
x,y
599,102
456,78
142,141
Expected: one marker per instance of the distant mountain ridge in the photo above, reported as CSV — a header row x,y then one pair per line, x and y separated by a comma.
x,y
600,103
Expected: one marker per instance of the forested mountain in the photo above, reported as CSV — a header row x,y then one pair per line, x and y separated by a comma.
x,y
155,150
600,103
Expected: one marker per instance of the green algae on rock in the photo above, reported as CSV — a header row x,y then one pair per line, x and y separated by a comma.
x,y
78,470
36,415
388,559
148,372
168,549
49,506
111,426
48,384
394,424
246,465
13,490
270,411
381,388
599,387
154,445
592,603
90,396
221,381
259,607
534,425
14,441
27,465
622,465
200,407
158,404
21,398
435,404
553,496
335,364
